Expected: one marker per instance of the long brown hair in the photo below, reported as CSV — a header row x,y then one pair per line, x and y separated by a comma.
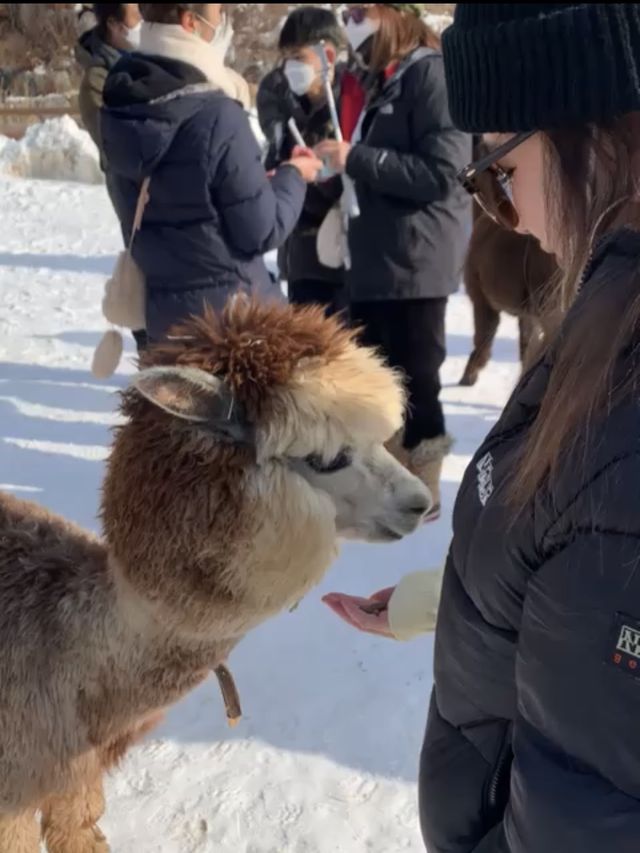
x,y
400,33
592,185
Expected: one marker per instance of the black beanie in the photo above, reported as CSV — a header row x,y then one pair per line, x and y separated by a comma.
x,y
538,66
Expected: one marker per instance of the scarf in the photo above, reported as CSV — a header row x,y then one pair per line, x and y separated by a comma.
x,y
171,41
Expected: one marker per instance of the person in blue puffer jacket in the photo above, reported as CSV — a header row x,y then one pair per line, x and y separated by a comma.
x,y
171,113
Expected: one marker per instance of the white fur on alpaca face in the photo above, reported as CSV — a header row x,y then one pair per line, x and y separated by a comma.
x,y
374,496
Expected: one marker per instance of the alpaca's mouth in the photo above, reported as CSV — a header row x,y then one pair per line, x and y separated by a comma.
x,y
386,534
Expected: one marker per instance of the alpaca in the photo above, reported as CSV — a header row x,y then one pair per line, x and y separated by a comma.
x,y
504,271
251,442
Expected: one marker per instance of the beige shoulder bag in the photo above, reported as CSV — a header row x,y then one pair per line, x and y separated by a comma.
x,y
124,299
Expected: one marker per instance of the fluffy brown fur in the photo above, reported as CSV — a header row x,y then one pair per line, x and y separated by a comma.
x,y
204,539
255,348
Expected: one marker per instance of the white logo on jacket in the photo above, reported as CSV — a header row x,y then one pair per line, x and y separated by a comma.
x,y
485,478
629,641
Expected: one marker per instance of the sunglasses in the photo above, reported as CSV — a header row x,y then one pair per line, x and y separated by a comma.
x,y
357,14
490,184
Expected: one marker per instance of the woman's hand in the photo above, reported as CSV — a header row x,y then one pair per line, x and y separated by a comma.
x,y
365,614
334,154
306,162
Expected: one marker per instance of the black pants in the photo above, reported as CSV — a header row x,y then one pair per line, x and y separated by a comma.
x,y
141,339
411,334
309,291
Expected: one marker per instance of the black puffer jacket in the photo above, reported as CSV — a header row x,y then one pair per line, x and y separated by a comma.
x,y
276,103
410,238
532,744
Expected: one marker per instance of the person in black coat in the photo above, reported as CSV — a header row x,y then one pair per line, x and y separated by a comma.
x,y
295,90
170,113
117,31
408,235
532,738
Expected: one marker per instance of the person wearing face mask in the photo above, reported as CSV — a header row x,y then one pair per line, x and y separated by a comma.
x,y
407,244
117,31
171,114
295,90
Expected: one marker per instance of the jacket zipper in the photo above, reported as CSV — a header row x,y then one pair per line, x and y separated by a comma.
x,y
495,782
502,767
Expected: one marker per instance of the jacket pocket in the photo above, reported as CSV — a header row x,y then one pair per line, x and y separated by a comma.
x,y
455,777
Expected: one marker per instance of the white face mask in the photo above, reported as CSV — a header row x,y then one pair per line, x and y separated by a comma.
x,y
299,75
132,36
359,33
222,36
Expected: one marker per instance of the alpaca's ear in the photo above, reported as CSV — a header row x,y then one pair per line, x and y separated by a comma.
x,y
194,395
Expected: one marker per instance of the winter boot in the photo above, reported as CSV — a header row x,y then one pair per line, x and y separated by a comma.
x,y
425,461
396,448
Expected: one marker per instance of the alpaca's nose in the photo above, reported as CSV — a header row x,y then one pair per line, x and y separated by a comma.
x,y
419,504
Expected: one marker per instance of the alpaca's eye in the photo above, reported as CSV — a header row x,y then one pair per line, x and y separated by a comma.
x,y
316,463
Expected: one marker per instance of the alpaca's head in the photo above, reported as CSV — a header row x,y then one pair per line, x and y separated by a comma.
x,y
261,427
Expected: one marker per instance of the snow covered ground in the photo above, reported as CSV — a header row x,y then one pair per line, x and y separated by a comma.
x,y
324,760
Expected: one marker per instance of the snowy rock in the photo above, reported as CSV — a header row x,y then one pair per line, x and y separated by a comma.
x,y
56,149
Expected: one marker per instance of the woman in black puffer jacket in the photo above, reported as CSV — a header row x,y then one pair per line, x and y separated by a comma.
x,y
532,741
